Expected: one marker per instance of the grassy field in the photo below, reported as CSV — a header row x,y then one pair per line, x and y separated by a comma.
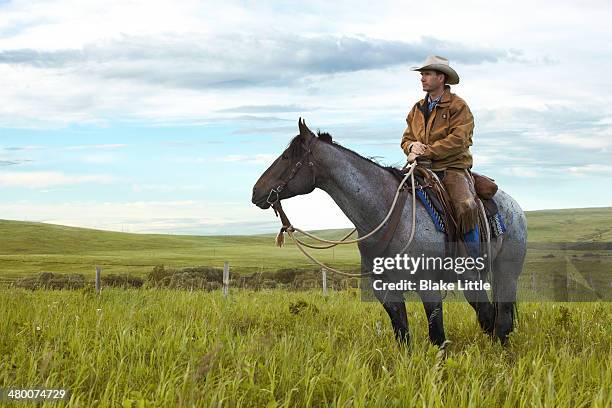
x,y
176,348
151,347
30,248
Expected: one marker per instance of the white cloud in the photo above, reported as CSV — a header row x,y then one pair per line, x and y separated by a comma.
x,y
248,159
166,188
41,179
600,141
591,170
97,146
186,216
98,158
539,113
165,57
21,148
522,172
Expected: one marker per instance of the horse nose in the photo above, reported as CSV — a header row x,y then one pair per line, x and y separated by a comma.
x,y
254,194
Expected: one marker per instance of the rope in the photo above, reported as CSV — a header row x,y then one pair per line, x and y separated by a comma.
x,y
413,214
300,244
322,265
326,246
410,174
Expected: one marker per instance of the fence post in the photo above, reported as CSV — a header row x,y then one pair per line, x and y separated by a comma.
x,y
225,278
324,273
98,282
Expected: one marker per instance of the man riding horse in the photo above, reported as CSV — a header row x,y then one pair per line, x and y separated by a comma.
x,y
439,129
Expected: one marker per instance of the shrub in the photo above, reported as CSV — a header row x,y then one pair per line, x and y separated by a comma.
x,y
202,277
122,281
48,280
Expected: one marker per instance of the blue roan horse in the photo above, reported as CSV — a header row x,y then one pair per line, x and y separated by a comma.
x,y
364,191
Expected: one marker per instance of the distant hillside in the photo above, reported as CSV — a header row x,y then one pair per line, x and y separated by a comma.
x,y
28,247
571,225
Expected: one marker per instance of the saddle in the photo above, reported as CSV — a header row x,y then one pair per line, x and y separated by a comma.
x,y
433,195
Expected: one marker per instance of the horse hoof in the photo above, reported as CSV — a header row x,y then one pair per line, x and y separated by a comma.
x,y
446,344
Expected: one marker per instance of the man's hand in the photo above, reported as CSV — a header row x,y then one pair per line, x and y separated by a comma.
x,y
418,148
412,157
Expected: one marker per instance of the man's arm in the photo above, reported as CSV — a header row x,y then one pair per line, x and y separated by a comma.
x,y
458,139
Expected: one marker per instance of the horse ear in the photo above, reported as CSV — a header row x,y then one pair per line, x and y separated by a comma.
x,y
304,131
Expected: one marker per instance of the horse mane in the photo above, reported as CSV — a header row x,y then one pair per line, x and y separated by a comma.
x,y
295,150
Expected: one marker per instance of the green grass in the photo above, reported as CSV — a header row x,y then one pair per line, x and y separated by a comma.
x,y
571,225
29,248
177,348
169,348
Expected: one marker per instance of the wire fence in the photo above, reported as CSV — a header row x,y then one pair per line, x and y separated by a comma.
x,y
567,272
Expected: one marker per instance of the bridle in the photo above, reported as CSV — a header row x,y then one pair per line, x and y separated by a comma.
x,y
274,195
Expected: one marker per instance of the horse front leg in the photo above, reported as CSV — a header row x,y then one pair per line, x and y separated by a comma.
x,y
394,304
399,320
479,300
485,312
432,301
506,270
504,291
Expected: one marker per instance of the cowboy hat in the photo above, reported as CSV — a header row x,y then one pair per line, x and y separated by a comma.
x,y
437,63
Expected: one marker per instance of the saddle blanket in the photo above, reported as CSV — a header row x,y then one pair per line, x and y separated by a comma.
x,y
427,197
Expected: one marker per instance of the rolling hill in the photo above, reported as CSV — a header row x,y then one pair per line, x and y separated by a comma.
x,y
29,248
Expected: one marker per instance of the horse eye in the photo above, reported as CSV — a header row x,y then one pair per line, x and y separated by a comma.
x,y
284,157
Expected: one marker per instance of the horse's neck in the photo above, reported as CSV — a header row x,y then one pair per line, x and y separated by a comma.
x,y
362,190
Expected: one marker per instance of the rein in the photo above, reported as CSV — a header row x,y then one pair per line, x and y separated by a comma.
x,y
290,229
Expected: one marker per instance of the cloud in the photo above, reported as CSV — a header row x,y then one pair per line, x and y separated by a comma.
x,y
98,158
285,130
21,148
253,118
199,61
190,143
233,72
591,169
96,146
268,109
14,162
522,172
178,217
245,159
10,162
166,188
258,159
41,179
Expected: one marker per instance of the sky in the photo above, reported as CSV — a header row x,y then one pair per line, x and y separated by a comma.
x,y
148,116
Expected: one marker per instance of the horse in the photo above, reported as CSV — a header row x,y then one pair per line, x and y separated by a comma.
x,y
364,190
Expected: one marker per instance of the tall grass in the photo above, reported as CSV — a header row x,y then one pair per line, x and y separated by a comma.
x,y
277,348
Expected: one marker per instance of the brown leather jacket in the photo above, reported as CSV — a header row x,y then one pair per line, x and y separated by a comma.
x,y
447,131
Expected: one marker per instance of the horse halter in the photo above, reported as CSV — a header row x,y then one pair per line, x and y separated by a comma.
x,y
274,195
